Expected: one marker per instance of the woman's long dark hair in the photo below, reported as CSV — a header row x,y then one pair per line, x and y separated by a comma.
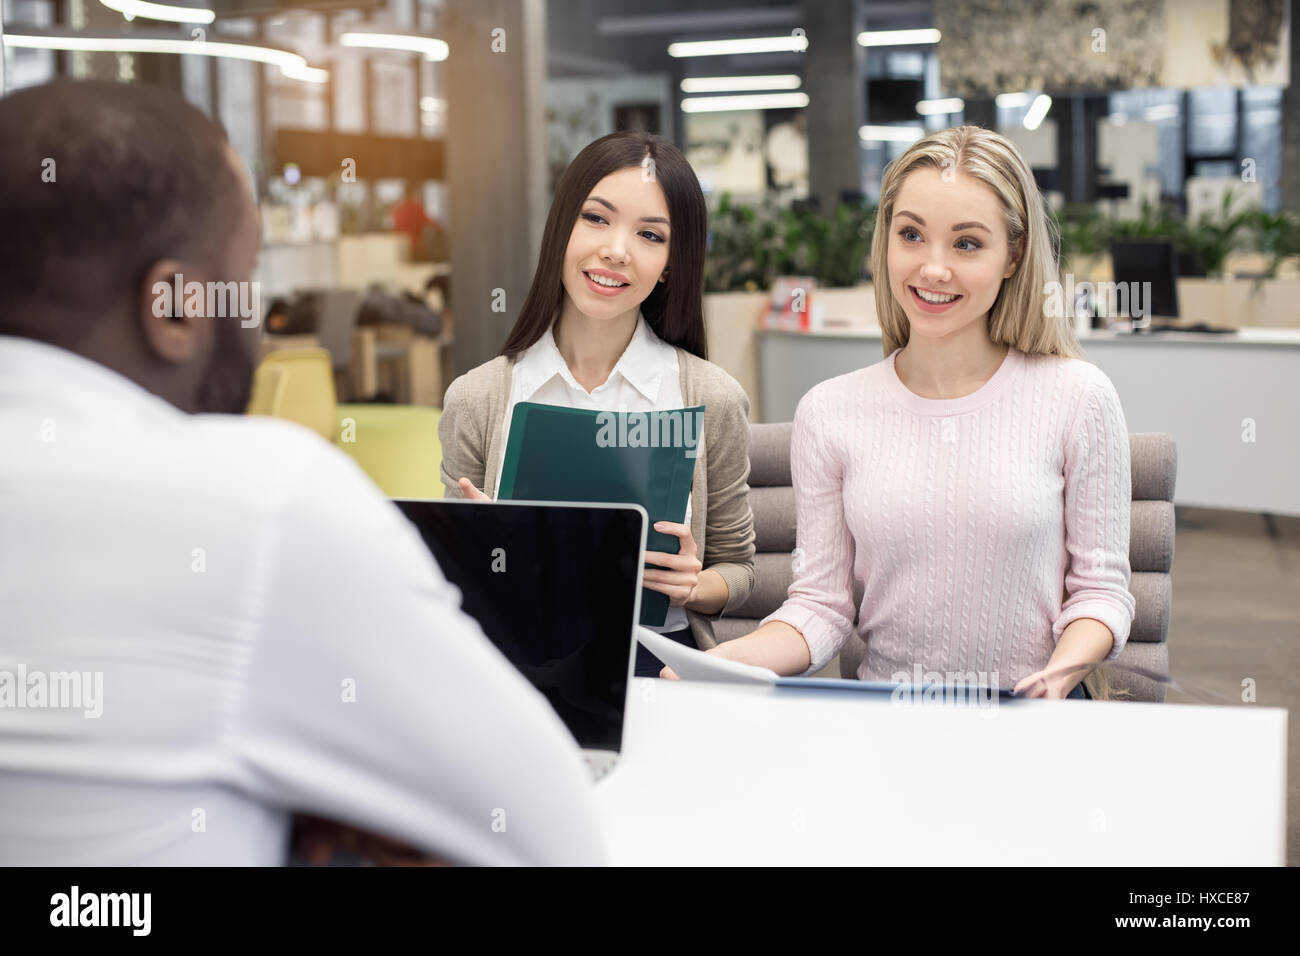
x,y
675,308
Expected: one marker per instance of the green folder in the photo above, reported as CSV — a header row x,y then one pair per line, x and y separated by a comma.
x,y
576,454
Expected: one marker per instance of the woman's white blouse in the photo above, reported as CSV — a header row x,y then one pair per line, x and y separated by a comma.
x,y
646,378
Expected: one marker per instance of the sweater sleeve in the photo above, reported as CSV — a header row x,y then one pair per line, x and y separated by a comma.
x,y
462,439
1098,498
729,533
819,604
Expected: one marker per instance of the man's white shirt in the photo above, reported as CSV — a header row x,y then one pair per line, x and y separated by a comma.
x,y
270,636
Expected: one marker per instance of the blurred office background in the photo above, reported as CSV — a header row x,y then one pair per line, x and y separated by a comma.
x,y
447,123
404,153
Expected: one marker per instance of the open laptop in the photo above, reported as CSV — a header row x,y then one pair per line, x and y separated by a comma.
x,y
557,588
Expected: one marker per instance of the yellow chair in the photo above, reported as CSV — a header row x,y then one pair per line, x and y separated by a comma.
x,y
396,445
298,385
270,382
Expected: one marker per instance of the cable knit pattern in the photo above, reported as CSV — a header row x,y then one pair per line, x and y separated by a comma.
x,y
962,518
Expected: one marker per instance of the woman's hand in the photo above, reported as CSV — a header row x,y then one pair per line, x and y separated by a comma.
x,y
681,581
1084,643
469,491
1050,683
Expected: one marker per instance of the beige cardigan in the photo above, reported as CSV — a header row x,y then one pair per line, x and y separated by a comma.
x,y
721,521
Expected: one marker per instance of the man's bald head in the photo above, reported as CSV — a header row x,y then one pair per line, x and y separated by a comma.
x,y
104,188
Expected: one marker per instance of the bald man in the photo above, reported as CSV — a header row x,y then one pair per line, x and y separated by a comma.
x,y
211,624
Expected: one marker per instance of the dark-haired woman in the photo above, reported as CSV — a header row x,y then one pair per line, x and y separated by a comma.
x,y
614,321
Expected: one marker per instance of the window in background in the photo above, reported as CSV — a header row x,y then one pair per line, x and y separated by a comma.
x,y
909,64
28,67
896,81
196,81
394,80
433,97
293,103
1212,122
394,94
1008,116
237,101
1162,107
1261,139
348,76
934,91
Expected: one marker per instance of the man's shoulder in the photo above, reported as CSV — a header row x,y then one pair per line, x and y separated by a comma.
x,y
254,439
270,460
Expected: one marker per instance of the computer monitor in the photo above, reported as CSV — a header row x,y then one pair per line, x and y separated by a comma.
x,y
557,588
1153,261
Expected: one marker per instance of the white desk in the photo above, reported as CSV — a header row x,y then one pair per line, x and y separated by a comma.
x,y
726,774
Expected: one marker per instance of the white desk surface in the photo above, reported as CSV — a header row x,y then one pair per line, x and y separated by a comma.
x,y
729,774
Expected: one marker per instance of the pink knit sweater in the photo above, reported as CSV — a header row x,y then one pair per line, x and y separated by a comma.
x,y
961,518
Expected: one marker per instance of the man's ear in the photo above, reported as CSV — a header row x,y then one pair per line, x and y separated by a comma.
x,y
171,334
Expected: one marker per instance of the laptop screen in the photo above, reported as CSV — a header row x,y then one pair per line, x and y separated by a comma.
x,y
556,588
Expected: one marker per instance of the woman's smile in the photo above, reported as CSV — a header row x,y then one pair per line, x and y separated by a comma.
x,y
930,304
604,282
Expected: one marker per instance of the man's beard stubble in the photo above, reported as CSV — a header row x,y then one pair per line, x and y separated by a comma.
x,y
227,382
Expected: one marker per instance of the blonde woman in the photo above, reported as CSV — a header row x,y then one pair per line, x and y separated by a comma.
x,y
978,471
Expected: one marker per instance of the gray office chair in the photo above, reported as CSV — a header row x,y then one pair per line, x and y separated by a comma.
x,y
1151,553
771,496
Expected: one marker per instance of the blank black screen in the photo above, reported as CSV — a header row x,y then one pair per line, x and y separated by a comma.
x,y
555,589
1155,261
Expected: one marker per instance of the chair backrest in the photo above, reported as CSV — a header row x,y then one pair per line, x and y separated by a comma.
x,y
771,497
1151,550
397,446
270,382
1151,534
1151,559
306,389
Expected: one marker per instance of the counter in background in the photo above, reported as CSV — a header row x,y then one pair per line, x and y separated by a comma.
x,y
1231,402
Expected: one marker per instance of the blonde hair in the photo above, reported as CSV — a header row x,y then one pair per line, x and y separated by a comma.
x,y
1101,687
1018,317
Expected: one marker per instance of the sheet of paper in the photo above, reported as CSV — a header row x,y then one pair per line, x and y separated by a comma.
x,y
690,664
